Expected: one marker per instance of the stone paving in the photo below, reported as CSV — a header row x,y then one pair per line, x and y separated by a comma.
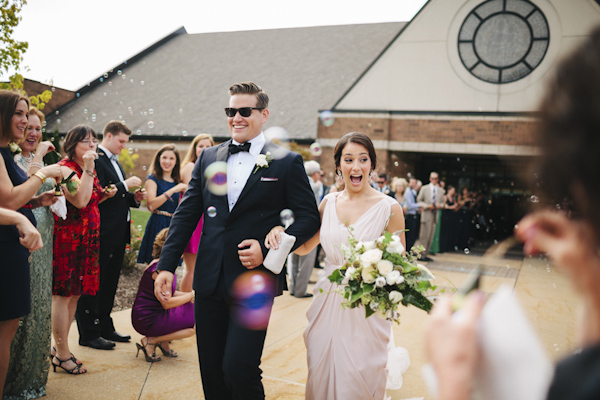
x,y
542,289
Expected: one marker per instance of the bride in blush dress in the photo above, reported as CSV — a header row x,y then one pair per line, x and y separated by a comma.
x,y
347,353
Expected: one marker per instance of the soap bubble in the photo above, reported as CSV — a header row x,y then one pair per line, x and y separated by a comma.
x,y
534,199
150,124
316,149
150,111
85,111
93,117
253,292
280,137
327,118
138,132
119,72
130,150
287,217
467,251
216,176
211,211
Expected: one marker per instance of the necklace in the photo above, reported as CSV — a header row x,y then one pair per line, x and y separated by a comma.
x,y
28,159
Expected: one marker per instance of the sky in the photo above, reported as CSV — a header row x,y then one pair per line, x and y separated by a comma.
x,y
72,42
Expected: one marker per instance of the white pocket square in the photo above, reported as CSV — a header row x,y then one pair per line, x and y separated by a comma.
x,y
265,179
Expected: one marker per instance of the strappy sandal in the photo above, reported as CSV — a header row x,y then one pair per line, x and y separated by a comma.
x,y
51,356
167,353
76,370
141,346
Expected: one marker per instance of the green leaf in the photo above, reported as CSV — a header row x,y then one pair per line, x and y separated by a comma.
x,y
336,277
356,295
368,312
412,296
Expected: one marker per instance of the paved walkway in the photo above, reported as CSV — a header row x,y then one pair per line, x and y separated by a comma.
x,y
543,291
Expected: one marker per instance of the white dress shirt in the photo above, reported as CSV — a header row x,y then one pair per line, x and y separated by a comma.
x,y
239,167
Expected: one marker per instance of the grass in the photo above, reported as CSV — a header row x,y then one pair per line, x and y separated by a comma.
x,y
140,218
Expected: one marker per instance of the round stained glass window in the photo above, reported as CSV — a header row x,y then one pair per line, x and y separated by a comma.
x,y
502,41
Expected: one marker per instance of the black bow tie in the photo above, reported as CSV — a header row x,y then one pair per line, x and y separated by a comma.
x,y
234,148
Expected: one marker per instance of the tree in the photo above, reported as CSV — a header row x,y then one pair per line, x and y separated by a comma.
x,y
11,51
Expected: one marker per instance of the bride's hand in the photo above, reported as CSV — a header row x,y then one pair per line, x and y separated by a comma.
x,y
273,238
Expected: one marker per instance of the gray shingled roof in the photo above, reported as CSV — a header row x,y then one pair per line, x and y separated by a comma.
x,y
179,85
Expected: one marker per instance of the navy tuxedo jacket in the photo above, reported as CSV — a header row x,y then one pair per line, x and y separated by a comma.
x,y
282,185
114,228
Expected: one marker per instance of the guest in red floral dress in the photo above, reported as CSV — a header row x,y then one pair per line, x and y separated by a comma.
x,y
76,242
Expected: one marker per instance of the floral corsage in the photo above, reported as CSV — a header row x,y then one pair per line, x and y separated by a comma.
x,y
14,148
263,161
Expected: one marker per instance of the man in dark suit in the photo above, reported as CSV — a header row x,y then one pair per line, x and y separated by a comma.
x,y
232,243
95,325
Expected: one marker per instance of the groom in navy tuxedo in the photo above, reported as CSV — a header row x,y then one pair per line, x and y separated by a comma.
x,y
232,242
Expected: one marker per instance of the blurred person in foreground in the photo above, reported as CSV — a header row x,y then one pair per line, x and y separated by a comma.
x,y
568,168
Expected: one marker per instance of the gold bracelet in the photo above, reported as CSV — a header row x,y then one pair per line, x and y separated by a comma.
x,y
193,299
41,176
90,173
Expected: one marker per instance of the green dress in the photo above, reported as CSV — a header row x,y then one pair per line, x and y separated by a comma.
x,y
30,349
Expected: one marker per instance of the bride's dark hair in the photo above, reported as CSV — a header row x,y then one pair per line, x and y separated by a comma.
x,y
358,138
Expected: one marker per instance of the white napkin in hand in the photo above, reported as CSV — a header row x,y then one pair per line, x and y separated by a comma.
x,y
276,258
60,207
513,363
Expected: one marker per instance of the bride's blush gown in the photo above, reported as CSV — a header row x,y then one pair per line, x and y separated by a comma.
x,y
347,353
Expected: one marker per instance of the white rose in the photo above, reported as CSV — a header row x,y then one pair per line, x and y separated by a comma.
x,y
395,247
393,277
349,272
369,245
385,267
395,296
261,160
367,275
380,281
370,257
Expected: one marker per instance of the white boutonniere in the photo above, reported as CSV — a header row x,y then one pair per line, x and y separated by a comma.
x,y
262,161
14,148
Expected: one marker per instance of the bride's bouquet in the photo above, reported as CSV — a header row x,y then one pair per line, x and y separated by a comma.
x,y
379,277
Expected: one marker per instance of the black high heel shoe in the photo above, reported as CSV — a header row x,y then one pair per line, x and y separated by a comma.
x,y
76,370
142,347
167,353
51,356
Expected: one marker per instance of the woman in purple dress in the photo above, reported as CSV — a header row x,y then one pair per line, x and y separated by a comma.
x,y
200,142
161,322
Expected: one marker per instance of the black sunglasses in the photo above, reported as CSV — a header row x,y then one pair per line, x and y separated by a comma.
x,y
244,111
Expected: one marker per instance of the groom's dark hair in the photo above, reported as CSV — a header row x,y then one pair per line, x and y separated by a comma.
x,y
262,100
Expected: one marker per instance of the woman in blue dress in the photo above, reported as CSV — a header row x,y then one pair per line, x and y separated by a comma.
x,y
164,190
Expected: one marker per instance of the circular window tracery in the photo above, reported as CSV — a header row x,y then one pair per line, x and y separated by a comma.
x,y
502,41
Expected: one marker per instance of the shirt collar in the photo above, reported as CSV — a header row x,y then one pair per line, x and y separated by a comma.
x,y
256,144
108,153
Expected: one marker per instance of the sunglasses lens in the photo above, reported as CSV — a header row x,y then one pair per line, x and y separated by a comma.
x,y
245,111
230,112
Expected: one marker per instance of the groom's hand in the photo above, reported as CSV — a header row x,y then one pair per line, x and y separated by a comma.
x,y
250,253
163,285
